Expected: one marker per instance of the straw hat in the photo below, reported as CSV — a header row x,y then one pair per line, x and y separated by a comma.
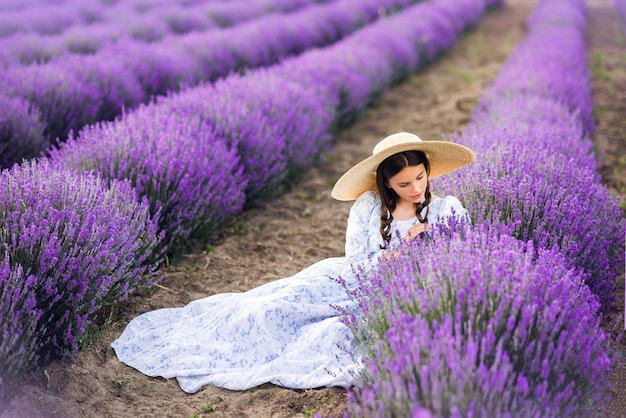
x,y
443,156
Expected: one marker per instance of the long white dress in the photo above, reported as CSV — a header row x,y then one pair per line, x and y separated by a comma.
x,y
287,332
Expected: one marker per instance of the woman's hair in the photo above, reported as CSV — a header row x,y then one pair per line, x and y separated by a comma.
x,y
387,169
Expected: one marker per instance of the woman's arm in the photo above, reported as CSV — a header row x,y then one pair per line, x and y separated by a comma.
x,y
363,231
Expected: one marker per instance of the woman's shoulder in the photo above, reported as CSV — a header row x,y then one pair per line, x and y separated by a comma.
x,y
366,202
368,198
448,200
447,203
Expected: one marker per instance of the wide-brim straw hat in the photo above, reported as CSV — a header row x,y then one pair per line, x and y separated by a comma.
x,y
443,157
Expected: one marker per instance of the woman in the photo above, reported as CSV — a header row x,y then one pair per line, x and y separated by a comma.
x,y
288,332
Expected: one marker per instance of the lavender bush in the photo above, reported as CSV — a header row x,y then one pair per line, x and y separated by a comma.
x,y
539,122
76,244
560,73
536,175
21,131
188,173
478,325
64,101
27,49
536,194
19,317
73,92
278,127
349,87
157,67
231,13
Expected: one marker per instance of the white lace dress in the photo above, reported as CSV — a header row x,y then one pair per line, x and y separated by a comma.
x,y
285,332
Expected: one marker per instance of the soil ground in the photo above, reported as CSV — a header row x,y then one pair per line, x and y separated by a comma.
x,y
306,225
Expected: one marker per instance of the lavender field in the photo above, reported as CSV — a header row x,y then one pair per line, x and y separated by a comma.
x,y
215,167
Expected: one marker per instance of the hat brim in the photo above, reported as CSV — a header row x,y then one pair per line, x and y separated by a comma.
x,y
443,157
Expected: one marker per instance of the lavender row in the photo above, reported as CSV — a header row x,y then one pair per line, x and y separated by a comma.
x,y
538,174
190,160
99,27
70,243
503,318
477,323
71,92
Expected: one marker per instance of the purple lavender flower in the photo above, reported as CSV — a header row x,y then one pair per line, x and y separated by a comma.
x,y
143,26
74,91
78,244
558,72
545,123
570,13
158,67
278,127
88,39
525,189
189,175
97,27
29,48
182,20
19,316
65,102
21,131
478,324
346,77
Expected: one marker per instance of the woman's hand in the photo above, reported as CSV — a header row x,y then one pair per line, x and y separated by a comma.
x,y
417,230
412,233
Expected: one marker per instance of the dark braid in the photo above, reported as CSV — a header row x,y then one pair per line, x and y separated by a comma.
x,y
385,220
387,169
421,205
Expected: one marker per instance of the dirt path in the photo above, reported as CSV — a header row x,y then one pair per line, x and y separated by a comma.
x,y
275,241
606,40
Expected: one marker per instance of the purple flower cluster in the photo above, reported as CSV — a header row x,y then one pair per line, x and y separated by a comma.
x,y
73,92
533,193
502,318
21,131
70,244
478,324
19,316
278,127
189,173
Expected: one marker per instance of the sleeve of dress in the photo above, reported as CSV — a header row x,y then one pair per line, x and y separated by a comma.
x,y
452,208
363,231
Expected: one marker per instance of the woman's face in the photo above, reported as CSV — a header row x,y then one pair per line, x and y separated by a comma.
x,y
410,183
